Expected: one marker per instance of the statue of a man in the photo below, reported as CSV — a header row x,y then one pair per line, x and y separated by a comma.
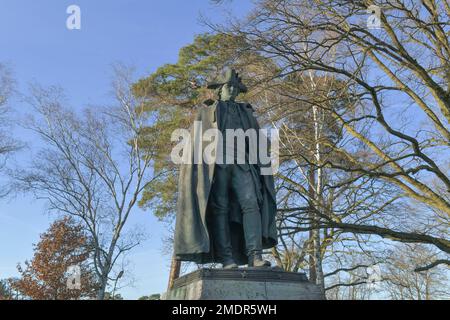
x,y
226,210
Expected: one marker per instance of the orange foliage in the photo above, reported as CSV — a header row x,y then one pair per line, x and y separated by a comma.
x,y
45,277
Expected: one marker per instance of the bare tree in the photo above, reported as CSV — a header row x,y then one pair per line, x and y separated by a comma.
x,y
326,40
387,90
397,78
404,283
93,168
8,144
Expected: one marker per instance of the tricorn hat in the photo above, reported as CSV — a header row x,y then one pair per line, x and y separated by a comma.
x,y
229,76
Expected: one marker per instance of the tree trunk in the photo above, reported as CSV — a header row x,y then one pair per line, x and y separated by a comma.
x,y
312,264
175,268
318,200
102,289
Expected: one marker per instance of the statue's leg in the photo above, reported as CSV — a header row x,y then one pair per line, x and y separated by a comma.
x,y
245,190
220,221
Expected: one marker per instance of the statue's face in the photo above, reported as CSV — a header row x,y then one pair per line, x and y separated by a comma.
x,y
229,92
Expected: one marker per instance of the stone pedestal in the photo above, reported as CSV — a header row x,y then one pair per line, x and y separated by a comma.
x,y
243,284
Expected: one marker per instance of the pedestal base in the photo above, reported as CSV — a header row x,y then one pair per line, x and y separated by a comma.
x,y
243,284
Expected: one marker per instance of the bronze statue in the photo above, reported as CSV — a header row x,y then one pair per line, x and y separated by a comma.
x,y
226,211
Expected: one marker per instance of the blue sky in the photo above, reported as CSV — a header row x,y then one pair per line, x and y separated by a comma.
x,y
39,48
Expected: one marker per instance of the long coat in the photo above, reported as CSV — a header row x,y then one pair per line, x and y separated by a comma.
x,y
193,241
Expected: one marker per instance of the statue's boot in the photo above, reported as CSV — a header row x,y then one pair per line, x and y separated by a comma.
x,y
256,260
222,241
253,240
